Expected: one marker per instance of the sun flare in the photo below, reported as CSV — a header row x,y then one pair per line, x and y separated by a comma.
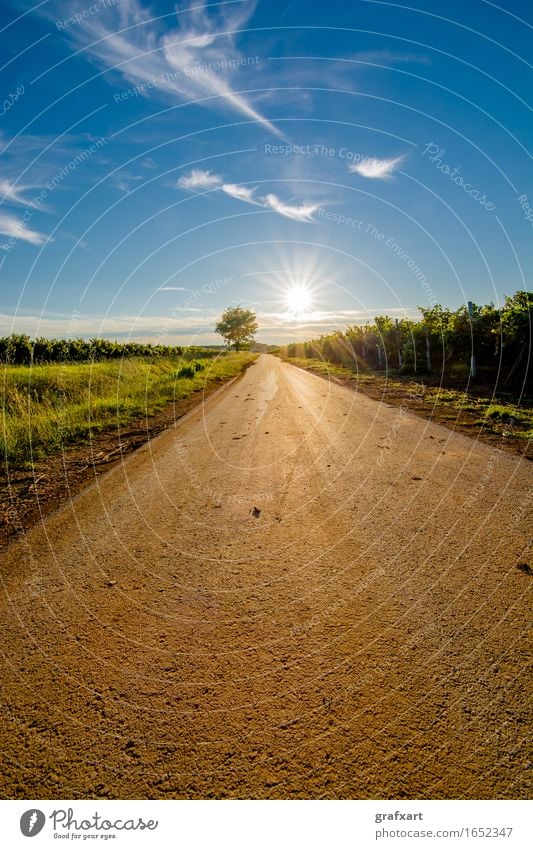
x,y
298,300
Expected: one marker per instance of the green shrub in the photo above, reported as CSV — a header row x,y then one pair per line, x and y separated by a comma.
x,y
498,412
186,371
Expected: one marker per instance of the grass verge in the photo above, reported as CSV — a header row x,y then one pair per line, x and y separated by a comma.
x,y
47,408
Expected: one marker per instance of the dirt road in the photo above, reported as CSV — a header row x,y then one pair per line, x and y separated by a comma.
x,y
294,592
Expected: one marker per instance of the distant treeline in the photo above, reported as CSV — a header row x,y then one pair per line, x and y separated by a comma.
x,y
19,349
442,340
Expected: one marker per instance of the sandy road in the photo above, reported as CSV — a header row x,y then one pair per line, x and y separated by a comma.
x,y
363,635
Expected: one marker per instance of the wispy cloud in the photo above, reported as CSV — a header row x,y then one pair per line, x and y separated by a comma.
x,y
239,192
29,161
376,169
303,212
193,62
199,179
13,227
206,179
122,180
11,193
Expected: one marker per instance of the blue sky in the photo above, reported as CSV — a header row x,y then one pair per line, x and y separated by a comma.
x,y
319,163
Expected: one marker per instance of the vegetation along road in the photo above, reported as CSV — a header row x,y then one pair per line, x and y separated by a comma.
x,y
296,591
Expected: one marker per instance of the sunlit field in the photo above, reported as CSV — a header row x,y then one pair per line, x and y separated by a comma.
x,y
48,407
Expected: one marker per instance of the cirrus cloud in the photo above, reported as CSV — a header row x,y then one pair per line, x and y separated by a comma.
x,y
199,179
239,192
376,169
16,229
303,212
191,62
11,193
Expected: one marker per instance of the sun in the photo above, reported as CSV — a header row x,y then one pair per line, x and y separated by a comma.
x,y
298,299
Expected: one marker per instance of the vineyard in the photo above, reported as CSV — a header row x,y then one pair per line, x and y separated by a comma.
x,y
441,343
20,349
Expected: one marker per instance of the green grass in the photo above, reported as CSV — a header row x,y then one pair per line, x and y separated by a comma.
x,y
45,408
508,414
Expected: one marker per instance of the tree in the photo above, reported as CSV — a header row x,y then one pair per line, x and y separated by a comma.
x,y
18,349
516,319
237,326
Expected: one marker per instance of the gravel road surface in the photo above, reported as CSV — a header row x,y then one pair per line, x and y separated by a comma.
x,y
294,592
